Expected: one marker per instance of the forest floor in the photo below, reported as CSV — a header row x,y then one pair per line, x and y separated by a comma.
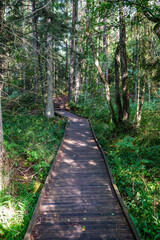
x,y
31,143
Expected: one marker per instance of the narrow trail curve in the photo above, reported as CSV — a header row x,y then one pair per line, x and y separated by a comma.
x,y
79,202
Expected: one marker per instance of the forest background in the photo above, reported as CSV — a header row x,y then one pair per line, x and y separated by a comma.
x,y
100,58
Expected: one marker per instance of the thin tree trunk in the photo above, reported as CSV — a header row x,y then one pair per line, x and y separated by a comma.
x,y
76,60
81,49
67,50
1,88
149,91
141,102
138,82
24,64
50,104
102,77
34,25
41,78
103,80
72,55
124,72
117,87
1,138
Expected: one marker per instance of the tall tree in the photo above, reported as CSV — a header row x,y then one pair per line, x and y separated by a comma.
x,y
35,50
124,72
72,55
50,105
76,60
1,88
117,84
97,64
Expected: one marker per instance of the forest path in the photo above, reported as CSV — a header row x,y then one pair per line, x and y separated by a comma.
x,y
79,202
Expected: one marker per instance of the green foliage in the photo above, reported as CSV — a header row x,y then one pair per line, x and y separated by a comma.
x,y
133,155
31,143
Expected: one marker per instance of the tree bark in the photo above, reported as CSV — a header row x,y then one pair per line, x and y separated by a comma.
x,y
1,138
76,60
50,105
102,77
1,88
81,49
72,55
117,87
35,50
140,105
124,72
24,64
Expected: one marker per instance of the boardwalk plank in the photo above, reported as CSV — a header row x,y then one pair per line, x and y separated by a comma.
x,y
79,202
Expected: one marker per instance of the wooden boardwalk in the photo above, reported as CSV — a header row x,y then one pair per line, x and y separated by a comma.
x,y
79,202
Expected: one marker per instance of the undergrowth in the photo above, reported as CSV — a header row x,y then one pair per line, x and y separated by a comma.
x,y
31,143
134,158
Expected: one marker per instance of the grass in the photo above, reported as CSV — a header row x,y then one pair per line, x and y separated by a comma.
x,y
31,143
134,158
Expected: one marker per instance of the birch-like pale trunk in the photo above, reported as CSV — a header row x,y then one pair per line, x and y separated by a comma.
x,y
50,105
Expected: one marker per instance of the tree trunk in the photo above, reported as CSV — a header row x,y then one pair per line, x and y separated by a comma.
x,y
1,137
35,50
24,64
72,55
81,49
1,88
41,78
67,51
140,105
124,72
76,60
50,105
102,77
103,80
149,91
117,87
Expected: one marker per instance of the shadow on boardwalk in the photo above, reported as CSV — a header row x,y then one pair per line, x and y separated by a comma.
x,y
79,202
